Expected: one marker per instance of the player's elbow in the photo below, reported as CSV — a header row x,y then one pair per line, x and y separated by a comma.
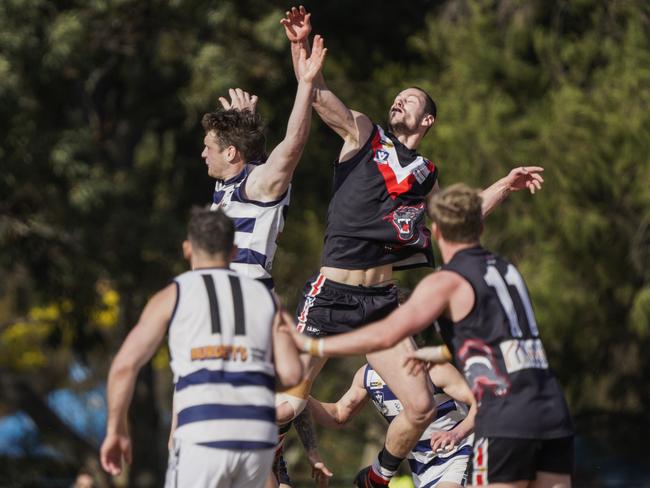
x,y
340,420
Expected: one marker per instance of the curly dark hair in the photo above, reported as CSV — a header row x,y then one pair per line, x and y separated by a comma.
x,y
240,128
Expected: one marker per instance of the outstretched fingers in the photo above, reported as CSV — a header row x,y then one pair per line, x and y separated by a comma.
x,y
528,177
318,52
297,23
239,100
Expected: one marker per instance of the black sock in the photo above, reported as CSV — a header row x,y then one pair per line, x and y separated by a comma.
x,y
386,465
388,461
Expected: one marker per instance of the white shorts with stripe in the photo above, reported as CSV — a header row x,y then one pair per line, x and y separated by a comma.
x,y
195,466
452,470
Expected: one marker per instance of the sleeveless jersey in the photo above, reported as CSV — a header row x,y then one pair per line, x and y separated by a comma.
x,y
220,347
426,466
377,213
498,348
257,225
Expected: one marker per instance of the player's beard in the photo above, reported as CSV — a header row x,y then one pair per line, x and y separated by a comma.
x,y
398,128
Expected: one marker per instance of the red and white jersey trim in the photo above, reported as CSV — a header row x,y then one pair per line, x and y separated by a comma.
x,y
399,179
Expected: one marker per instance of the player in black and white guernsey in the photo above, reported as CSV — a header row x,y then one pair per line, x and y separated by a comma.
x,y
439,459
375,224
227,354
523,427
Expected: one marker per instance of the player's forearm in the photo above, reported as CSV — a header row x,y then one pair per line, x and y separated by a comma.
x,y
493,195
371,338
304,426
325,414
299,121
465,428
121,383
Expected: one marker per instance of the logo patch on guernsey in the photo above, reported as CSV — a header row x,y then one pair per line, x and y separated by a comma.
x,y
378,398
480,369
381,157
405,220
399,179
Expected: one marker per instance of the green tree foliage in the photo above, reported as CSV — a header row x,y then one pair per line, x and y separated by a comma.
x,y
100,143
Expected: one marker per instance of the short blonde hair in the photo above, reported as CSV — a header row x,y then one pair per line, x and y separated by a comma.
x,y
457,213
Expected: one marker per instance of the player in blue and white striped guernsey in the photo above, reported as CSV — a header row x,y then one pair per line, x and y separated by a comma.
x,y
252,189
441,456
227,353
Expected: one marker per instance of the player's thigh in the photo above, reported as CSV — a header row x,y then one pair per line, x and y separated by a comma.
x,y
551,480
289,403
414,391
254,468
555,463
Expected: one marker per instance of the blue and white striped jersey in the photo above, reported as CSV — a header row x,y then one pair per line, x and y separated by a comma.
x,y
426,466
257,225
221,356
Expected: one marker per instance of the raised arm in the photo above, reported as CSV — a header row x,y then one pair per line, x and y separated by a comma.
x,y
453,384
353,127
270,181
336,415
138,348
518,179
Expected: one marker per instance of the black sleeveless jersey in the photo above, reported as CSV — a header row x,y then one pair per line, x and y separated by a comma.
x,y
497,347
377,213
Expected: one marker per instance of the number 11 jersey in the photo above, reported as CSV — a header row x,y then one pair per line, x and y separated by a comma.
x,y
498,349
221,356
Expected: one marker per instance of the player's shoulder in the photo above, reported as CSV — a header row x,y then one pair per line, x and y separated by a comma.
x,y
443,279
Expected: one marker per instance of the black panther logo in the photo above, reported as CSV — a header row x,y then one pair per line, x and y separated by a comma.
x,y
405,220
480,369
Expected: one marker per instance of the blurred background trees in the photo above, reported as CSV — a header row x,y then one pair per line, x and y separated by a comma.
x,y
100,143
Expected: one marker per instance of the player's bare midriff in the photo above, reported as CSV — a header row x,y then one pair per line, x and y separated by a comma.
x,y
378,275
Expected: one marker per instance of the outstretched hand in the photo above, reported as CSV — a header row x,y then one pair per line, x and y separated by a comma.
x,y
115,448
525,177
297,24
309,67
423,359
319,472
239,100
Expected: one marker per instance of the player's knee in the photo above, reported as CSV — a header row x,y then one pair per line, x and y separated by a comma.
x,y
420,409
288,407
